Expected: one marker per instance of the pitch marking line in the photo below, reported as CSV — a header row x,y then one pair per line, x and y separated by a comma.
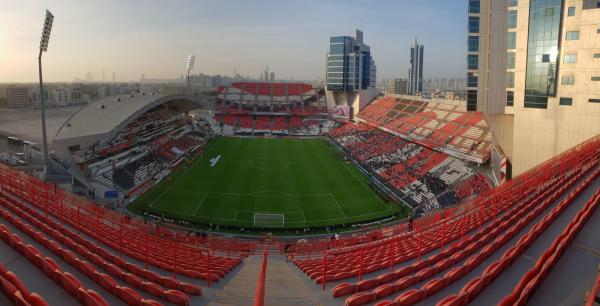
x,y
201,202
338,205
173,184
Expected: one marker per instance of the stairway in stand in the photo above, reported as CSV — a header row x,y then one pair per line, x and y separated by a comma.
x,y
285,286
240,289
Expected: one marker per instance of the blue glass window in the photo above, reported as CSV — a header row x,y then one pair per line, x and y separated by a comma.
x,y
471,80
336,49
473,24
542,47
473,43
513,2
472,61
474,6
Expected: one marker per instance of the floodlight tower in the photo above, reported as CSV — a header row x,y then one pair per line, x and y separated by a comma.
x,y
189,66
44,48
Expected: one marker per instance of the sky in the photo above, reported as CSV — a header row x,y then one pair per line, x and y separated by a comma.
x,y
153,37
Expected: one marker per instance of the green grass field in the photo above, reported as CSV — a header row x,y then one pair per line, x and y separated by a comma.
x,y
266,182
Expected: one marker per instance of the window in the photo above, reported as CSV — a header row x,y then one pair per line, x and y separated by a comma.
x,y
597,55
473,24
549,12
598,31
510,60
571,11
474,6
510,98
473,43
594,100
568,80
510,79
572,35
336,49
565,101
596,78
545,58
472,61
570,58
471,100
512,40
512,19
513,2
471,80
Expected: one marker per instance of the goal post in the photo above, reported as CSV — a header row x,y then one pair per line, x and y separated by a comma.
x,y
269,220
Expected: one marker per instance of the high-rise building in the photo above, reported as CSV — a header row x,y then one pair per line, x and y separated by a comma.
x,y
351,75
272,77
415,71
534,71
350,66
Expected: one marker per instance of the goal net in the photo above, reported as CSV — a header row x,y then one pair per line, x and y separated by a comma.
x,y
269,220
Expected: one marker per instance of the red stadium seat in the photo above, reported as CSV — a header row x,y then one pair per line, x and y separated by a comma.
x,y
411,297
343,289
177,297
385,290
360,298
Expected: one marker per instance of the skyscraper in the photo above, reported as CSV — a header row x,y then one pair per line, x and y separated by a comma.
x,y
350,66
415,71
534,71
350,75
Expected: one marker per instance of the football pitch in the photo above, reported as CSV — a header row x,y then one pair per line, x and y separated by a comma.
x,y
266,183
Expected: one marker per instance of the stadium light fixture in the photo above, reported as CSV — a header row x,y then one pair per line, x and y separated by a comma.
x,y
44,48
189,66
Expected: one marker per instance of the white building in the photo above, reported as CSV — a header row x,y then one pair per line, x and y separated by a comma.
x,y
534,70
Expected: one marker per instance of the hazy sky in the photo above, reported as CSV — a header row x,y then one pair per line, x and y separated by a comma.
x,y
131,37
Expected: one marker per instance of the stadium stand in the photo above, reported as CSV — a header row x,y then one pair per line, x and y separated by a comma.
x,y
421,177
445,127
257,108
12,286
458,255
87,238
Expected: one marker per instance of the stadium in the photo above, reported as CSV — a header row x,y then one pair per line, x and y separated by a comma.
x,y
325,193
193,204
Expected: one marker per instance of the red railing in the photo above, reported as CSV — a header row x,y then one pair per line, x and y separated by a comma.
x,y
592,297
485,202
259,296
51,198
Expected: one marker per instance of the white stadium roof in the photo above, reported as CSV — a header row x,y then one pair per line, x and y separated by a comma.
x,y
109,115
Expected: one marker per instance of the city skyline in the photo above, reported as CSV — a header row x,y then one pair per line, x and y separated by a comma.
x,y
154,37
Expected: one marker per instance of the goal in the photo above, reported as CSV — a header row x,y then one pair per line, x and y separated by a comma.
x,y
269,220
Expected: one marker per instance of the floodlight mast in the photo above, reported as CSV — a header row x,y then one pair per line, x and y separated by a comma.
x,y
44,48
189,66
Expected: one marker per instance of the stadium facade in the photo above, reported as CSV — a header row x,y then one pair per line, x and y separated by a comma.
x,y
114,148
534,71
